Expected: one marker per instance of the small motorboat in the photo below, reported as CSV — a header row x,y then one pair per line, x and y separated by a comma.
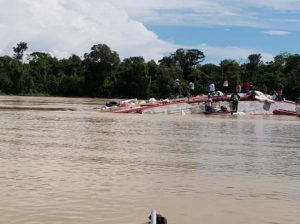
x,y
284,112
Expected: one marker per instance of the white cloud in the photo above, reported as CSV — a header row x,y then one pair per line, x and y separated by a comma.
x,y
64,27
213,54
277,32
204,6
245,13
188,13
278,5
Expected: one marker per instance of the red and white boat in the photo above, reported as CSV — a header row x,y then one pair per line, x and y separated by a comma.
x,y
255,103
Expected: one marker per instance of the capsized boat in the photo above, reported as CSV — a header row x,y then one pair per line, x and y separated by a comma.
x,y
254,103
153,106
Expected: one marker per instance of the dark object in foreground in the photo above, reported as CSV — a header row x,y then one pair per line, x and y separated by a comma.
x,y
159,219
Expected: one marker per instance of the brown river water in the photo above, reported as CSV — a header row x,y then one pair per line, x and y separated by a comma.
x,y
64,162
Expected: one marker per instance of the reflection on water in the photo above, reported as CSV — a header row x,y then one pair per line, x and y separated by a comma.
x,y
83,166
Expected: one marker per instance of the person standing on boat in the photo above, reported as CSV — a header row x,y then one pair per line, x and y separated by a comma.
x,y
191,89
238,88
246,87
234,100
212,89
279,92
177,87
225,86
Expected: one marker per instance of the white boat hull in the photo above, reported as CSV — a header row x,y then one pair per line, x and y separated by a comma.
x,y
180,108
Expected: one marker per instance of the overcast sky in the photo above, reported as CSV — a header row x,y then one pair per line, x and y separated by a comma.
x,y
222,29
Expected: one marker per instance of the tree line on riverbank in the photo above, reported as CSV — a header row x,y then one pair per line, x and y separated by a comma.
x,y
101,73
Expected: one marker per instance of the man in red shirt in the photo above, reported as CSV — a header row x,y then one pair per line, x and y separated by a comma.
x,y
246,87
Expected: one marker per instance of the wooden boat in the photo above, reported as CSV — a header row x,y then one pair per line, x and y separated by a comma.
x,y
284,112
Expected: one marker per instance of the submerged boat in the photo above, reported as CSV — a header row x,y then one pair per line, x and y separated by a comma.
x,y
254,103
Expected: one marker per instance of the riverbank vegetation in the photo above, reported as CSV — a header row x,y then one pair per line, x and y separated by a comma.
x,y
101,73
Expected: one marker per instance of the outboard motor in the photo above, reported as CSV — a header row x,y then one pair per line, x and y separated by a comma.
x,y
157,218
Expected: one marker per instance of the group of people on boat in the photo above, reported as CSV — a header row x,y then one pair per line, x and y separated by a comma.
x,y
234,101
245,88
214,102
189,92
234,98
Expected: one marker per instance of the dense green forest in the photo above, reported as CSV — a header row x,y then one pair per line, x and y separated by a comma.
x,y
101,73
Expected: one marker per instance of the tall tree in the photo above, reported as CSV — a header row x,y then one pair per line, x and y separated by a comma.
x,y
98,65
188,59
230,71
210,73
133,78
42,69
167,61
292,76
185,59
19,50
253,66
71,66
5,74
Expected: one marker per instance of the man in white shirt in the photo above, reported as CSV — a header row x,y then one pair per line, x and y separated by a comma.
x,y
212,89
191,89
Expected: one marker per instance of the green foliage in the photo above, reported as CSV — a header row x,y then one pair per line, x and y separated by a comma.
x,y
252,67
162,83
101,73
5,74
185,59
98,65
132,78
230,71
211,73
69,85
71,66
19,50
42,67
